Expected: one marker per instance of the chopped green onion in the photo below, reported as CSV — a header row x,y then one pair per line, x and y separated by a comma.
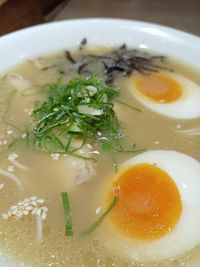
x,y
115,164
74,128
92,227
4,77
129,106
73,111
92,90
33,90
82,157
12,124
84,109
12,145
68,214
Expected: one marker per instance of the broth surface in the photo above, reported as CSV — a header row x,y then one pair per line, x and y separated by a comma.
x,y
47,178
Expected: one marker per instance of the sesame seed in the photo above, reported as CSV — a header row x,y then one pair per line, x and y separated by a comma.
x,y
34,211
40,200
74,163
25,212
9,213
27,200
34,203
95,152
98,210
89,146
178,126
38,211
103,138
45,209
14,212
30,112
9,132
11,168
156,142
33,198
19,214
26,204
55,156
5,216
1,186
43,216
81,151
12,157
13,207
5,142
24,135
99,133
29,208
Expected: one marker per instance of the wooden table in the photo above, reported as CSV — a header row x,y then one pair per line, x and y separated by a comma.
x,y
181,14
17,14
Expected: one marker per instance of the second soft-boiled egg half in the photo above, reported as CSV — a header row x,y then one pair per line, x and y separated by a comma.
x,y
157,215
167,93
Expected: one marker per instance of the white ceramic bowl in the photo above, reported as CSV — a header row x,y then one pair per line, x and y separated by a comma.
x,y
46,38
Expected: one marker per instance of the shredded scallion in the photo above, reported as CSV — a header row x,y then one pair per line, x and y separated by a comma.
x,y
129,106
77,110
68,214
92,227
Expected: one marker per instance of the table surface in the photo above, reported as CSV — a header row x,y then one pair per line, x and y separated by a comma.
x,y
180,14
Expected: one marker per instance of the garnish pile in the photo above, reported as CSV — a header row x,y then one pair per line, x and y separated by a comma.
x,y
81,109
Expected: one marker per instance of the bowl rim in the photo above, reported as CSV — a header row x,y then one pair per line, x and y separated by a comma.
x,y
101,19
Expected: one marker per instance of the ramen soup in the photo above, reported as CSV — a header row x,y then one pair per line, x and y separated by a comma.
x,y
99,160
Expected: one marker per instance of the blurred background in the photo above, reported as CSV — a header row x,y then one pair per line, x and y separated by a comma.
x,y
180,14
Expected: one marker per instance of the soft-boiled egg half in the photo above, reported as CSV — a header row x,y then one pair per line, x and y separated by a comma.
x,y
157,215
167,93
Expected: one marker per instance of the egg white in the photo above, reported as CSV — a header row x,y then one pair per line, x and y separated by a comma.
x,y
186,107
185,171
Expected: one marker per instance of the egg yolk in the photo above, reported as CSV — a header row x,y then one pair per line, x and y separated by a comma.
x,y
158,87
149,203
